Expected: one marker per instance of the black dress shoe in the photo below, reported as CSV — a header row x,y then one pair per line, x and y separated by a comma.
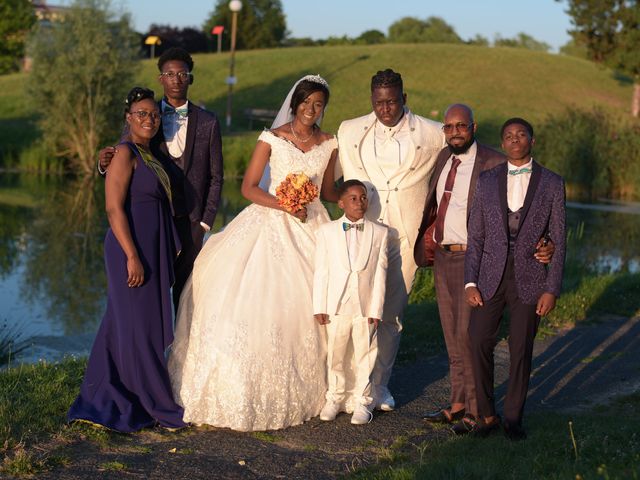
x,y
465,426
476,426
514,432
441,417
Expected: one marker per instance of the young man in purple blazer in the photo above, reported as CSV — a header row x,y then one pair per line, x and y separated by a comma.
x,y
516,204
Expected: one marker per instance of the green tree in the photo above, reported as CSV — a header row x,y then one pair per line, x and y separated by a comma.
x,y
478,40
572,49
83,67
16,19
371,37
414,30
610,31
522,40
261,23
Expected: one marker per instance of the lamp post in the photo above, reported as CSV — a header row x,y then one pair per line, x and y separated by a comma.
x,y
235,6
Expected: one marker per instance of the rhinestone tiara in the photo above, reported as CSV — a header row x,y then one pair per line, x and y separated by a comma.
x,y
316,79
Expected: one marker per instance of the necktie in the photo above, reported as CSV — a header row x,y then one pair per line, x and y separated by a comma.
x,y
444,201
182,112
358,226
519,171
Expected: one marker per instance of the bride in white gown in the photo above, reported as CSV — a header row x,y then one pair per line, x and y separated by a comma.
x,y
247,353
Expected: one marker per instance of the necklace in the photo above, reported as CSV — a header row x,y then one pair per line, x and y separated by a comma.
x,y
302,140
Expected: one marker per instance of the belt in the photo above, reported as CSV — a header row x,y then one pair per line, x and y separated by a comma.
x,y
455,247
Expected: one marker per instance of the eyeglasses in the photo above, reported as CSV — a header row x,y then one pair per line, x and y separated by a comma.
x,y
178,75
461,127
143,114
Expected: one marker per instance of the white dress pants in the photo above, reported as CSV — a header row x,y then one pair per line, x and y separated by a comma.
x,y
340,330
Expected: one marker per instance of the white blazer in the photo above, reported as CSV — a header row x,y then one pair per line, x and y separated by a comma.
x,y
407,187
332,268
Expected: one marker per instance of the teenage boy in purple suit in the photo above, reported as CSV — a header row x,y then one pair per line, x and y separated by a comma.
x,y
516,204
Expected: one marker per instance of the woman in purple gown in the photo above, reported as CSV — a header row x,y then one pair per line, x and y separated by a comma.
x,y
126,386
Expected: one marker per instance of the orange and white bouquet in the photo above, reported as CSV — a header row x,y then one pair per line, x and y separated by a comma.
x,y
296,191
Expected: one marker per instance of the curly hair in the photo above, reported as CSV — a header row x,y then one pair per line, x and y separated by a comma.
x,y
135,95
386,79
175,53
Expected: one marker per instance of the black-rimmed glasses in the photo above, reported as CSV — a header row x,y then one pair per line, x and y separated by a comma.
x,y
143,114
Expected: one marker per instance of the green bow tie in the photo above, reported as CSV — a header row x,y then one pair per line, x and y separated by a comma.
x,y
358,226
182,112
519,171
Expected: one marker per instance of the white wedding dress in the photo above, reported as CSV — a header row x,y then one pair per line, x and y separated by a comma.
x,y
248,354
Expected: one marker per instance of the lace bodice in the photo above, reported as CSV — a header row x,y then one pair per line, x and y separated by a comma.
x,y
287,158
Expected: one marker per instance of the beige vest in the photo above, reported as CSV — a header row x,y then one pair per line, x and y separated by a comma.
x,y
406,189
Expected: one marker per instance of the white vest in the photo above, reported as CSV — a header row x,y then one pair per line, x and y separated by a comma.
x,y
406,189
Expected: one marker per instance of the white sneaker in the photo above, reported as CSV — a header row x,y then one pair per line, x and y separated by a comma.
x,y
329,411
361,415
386,403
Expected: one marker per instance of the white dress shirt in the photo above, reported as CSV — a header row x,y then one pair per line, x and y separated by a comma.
x,y
517,185
350,301
455,221
174,128
353,238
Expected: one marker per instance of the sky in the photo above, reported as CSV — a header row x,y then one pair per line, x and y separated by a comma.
x,y
545,20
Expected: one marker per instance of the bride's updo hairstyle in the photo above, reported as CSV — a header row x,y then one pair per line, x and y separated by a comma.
x,y
307,87
135,95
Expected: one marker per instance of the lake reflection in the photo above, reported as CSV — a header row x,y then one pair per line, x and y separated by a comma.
x,y
52,280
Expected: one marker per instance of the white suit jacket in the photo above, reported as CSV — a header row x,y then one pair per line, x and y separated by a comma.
x,y
407,187
332,268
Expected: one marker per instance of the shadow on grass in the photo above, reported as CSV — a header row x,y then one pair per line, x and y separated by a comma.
x,y
595,362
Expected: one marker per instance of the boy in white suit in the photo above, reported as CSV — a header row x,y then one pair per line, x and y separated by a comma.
x,y
348,297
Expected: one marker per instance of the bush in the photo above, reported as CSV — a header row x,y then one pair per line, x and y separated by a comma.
x,y
597,154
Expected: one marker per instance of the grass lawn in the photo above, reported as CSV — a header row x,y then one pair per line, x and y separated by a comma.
x,y
502,82
598,444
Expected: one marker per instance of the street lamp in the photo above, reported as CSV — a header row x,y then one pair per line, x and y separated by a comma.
x,y
235,6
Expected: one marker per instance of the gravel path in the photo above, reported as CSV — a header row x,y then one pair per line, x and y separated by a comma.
x,y
573,370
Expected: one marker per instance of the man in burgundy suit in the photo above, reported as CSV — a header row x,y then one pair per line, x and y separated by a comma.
x,y
449,204
189,145
516,203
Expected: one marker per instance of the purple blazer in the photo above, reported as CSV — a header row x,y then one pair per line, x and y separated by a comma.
x,y
202,176
488,238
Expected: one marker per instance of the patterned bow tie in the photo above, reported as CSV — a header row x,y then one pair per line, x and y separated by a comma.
x,y
519,171
182,112
358,226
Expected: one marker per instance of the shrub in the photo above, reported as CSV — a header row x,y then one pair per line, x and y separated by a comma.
x,y
597,154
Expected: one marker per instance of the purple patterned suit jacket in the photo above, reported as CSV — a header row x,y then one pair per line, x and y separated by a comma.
x,y
486,158
488,240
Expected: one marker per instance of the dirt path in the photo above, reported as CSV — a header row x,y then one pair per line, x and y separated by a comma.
x,y
573,370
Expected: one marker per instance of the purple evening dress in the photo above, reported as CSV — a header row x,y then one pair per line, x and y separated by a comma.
x,y
126,386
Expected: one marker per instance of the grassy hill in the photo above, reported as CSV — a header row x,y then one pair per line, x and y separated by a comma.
x,y
496,82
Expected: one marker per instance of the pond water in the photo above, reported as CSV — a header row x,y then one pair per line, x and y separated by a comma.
x,y
52,281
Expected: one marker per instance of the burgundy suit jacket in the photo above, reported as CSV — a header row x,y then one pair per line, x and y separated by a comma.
x,y
486,158
488,234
